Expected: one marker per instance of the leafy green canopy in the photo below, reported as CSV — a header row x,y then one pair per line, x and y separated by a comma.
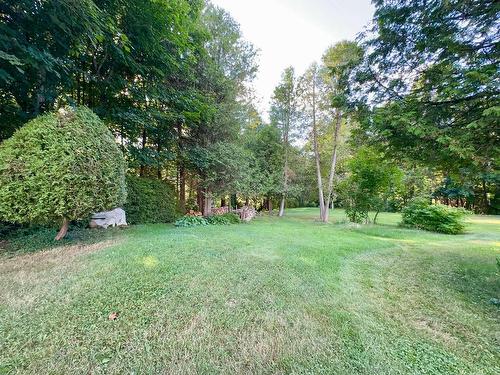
x,y
432,69
60,165
371,181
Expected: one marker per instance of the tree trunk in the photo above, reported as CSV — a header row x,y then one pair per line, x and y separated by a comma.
x,y
317,156
285,176
207,203
64,229
282,206
333,165
270,207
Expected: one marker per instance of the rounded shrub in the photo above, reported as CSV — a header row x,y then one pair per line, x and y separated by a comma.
x,y
60,167
149,201
436,218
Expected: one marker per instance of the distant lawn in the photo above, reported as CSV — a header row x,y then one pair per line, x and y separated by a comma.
x,y
274,296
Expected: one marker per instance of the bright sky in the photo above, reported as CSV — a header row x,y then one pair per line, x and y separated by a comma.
x,y
294,32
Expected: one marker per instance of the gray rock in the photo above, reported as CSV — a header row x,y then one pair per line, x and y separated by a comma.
x,y
106,219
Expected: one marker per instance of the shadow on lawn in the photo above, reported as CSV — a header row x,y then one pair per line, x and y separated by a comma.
x,y
23,240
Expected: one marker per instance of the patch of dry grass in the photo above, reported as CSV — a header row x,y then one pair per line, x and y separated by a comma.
x,y
26,278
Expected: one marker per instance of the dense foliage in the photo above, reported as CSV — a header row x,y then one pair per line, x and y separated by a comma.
x,y
437,218
432,76
168,77
60,166
149,201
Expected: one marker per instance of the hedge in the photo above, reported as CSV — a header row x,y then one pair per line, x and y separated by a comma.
x,y
149,201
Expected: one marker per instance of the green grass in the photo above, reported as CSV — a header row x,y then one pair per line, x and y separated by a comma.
x,y
276,296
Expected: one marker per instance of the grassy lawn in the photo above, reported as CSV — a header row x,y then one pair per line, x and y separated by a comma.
x,y
274,296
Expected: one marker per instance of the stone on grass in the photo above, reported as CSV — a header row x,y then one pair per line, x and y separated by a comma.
x,y
107,219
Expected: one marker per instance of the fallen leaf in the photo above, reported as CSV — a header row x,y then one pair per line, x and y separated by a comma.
x,y
113,316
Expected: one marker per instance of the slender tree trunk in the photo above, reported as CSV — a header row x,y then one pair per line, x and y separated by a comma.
x,y
270,206
285,174
333,165
285,183
64,229
316,154
282,206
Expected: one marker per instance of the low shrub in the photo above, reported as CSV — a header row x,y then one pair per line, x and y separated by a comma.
x,y
436,218
149,201
190,221
224,219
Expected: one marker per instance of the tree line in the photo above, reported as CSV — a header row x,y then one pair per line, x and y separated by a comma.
x,y
409,109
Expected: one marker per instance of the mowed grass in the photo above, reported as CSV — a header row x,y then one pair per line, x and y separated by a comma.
x,y
276,296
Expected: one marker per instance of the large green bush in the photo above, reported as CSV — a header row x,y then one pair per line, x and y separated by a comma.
x,y
436,218
149,201
60,167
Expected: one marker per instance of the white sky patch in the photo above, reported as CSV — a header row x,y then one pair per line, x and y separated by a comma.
x,y
294,32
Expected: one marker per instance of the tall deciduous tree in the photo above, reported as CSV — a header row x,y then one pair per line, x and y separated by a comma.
x,y
325,92
339,61
283,114
225,70
310,84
